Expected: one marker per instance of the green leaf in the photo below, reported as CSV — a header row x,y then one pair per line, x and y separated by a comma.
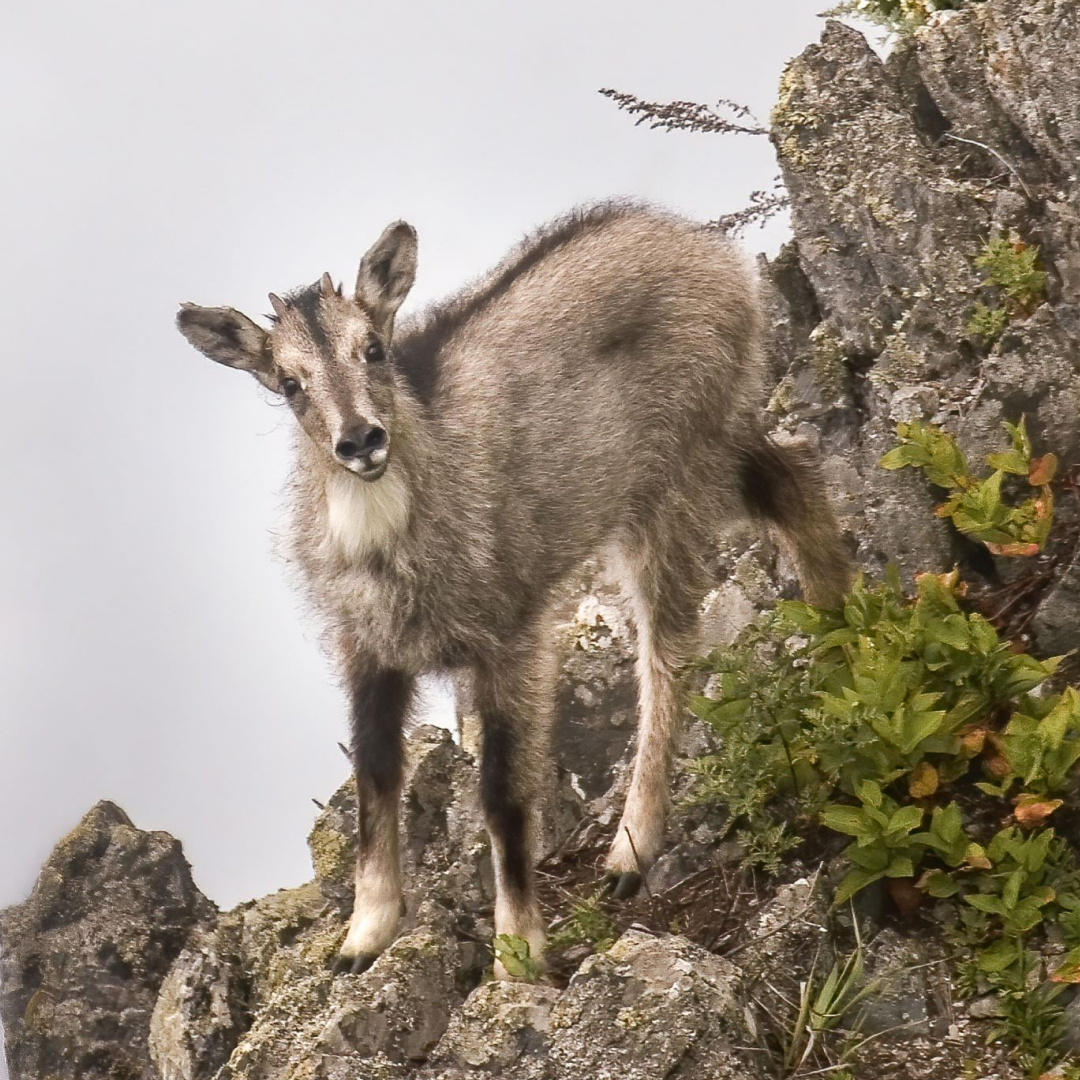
x,y
1012,462
905,819
983,902
1011,893
844,819
869,792
940,885
997,957
901,456
853,882
874,856
513,952
946,822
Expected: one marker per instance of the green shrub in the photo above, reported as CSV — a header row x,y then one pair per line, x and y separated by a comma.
x,y
514,954
975,505
587,924
908,725
899,16
1013,270
1013,267
987,322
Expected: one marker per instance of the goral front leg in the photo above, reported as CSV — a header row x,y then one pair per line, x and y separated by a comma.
x,y
380,701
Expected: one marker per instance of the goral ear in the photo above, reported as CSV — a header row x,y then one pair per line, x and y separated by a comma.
x,y
230,338
387,273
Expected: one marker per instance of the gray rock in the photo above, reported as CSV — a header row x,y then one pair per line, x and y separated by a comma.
x,y
445,850
201,1009
676,864
320,1027
868,197
789,939
501,1028
900,1004
1056,627
889,211
83,958
650,1007
596,696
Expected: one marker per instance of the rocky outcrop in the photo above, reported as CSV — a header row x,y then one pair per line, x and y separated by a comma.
x,y
899,171
83,959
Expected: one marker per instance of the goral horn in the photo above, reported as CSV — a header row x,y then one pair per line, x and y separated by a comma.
x,y
279,305
326,285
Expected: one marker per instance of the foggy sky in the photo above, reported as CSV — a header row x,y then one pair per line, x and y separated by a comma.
x,y
151,650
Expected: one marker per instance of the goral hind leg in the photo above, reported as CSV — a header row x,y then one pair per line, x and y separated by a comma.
x,y
515,698
665,602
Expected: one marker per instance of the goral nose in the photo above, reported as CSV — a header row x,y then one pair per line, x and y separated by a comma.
x,y
359,443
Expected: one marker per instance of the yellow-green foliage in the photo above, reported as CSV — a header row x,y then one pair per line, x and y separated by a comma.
x,y
1013,270
900,16
1013,266
515,956
908,725
588,923
987,322
975,505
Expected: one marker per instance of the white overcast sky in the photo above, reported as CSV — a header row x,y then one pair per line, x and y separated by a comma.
x,y
151,651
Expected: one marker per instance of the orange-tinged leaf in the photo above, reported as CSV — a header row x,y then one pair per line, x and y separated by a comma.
x,y
1017,550
973,740
1042,470
975,857
950,582
998,767
905,895
1067,973
1031,810
923,780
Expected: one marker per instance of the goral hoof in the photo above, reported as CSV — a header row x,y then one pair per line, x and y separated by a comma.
x,y
353,965
622,886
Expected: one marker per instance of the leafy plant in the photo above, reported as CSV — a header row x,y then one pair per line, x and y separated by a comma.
x,y
766,847
515,956
824,1008
1033,1021
909,726
1011,268
975,505
883,845
588,923
898,16
987,322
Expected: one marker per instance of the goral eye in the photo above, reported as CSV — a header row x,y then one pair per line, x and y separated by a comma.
x,y
289,387
374,352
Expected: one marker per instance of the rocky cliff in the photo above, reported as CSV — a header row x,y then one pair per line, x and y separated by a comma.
x,y
899,172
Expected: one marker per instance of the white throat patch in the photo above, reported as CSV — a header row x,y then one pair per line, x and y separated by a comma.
x,y
362,517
